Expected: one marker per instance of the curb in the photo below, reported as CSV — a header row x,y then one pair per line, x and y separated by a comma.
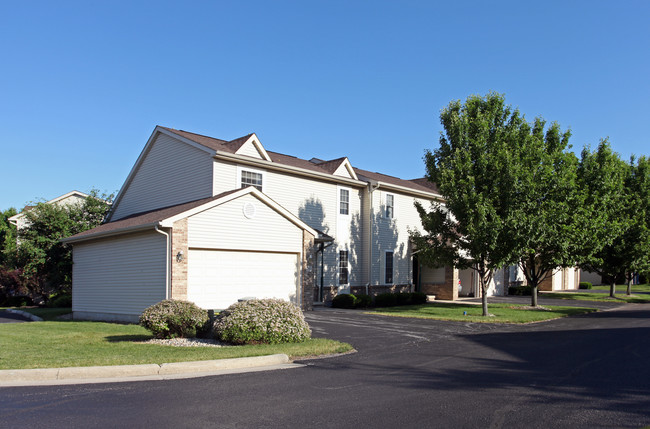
x,y
30,316
18,377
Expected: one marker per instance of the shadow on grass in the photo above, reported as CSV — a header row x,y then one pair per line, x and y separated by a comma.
x,y
127,338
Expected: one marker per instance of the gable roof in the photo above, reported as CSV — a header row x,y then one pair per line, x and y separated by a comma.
x,y
164,217
418,185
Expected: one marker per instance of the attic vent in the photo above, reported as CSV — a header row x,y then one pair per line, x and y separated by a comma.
x,y
249,210
316,161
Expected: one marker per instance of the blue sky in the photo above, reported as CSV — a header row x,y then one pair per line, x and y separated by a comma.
x,y
83,84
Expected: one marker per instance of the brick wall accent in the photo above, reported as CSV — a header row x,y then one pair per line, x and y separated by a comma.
x,y
547,283
308,267
447,290
179,269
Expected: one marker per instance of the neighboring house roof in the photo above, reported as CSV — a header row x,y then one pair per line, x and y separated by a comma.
x,y
317,165
166,216
58,200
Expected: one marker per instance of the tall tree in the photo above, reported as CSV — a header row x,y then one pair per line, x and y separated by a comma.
x,y
7,238
606,218
472,168
540,211
45,261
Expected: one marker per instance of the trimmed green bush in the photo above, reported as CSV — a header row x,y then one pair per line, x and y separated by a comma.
x,y
418,298
18,301
520,290
344,300
60,301
584,285
172,318
362,300
256,321
386,300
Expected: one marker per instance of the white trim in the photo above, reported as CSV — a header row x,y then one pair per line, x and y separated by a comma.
x,y
338,268
340,188
252,170
258,145
385,201
247,160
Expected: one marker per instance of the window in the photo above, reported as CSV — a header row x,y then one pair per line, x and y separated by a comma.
x,y
343,267
344,202
390,206
251,178
389,268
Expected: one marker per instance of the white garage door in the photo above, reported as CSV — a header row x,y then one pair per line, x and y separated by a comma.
x,y
218,278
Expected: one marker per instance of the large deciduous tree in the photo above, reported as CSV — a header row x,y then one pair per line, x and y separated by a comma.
x,y
540,211
606,213
45,261
472,168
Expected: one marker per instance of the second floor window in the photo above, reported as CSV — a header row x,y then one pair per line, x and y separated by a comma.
x,y
251,178
343,267
390,206
344,206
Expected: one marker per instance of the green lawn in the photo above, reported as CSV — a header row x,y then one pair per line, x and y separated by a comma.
x,y
66,344
621,297
623,288
503,313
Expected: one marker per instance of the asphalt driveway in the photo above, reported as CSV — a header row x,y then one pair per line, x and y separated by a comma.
x,y
582,372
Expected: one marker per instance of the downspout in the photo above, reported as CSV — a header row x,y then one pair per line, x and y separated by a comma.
x,y
167,261
371,189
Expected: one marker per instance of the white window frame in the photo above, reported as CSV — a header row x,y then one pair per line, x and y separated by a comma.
x,y
392,206
392,268
338,200
341,267
241,169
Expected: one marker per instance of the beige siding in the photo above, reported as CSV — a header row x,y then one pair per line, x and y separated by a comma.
x,y
392,234
172,172
316,203
249,149
226,227
121,275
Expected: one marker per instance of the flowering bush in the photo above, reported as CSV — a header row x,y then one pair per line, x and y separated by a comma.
x,y
171,319
257,321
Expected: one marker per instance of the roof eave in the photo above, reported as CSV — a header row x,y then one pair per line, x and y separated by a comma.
x,y
283,167
119,231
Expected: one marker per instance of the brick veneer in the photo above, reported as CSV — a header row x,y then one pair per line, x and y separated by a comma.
x,y
179,269
447,290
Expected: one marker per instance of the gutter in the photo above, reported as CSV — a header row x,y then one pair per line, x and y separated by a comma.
x,y
168,269
112,232
225,156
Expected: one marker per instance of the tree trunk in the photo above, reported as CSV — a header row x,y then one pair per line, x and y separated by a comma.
x,y
533,296
612,289
629,285
484,298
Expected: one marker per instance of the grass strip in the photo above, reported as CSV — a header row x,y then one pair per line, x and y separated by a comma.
x,y
597,296
501,313
67,344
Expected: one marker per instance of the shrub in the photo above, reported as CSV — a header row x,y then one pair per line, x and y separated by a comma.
x,y
386,300
18,301
257,321
418,298
60,301
362,301
584,285
344,300
171,318
520,290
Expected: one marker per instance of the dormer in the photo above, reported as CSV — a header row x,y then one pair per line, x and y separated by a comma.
x,y
248,146
337,167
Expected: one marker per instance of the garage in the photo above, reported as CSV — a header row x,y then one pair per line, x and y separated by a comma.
x,y
219,278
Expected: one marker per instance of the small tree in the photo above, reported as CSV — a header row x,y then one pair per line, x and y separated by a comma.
x,y
45,261
472,168
7,239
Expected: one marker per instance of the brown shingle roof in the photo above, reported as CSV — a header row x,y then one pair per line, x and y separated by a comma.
x,y
327,167
151,217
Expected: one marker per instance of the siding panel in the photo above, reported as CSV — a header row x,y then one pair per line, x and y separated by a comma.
x,y
121,275
172,172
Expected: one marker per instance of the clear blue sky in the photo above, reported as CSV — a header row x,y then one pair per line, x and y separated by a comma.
x,y
83,84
